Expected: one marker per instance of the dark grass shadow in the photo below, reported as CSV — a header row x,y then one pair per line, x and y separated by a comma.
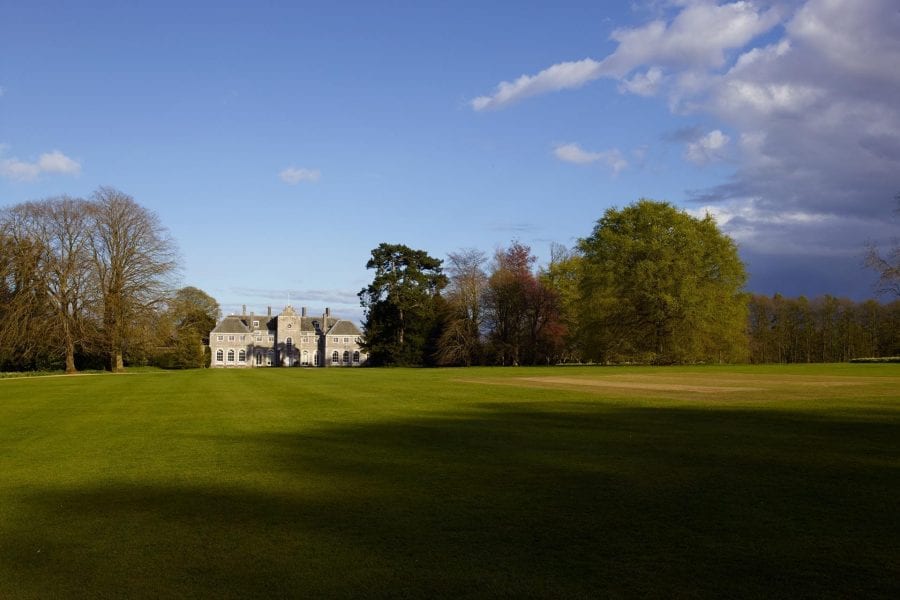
x,y
509,500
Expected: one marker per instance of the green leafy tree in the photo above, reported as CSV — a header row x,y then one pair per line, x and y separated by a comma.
x,y
661,286
190,315
401,306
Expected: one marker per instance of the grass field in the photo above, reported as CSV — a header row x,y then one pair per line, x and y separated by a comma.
x,y
548,482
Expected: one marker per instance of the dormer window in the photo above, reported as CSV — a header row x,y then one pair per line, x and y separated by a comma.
x,y
255,324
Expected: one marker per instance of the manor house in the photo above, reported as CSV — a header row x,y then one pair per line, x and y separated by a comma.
x,y
286,340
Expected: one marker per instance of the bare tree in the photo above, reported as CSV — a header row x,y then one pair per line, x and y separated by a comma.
x,y
23,297
887,265
460,343
61,229
134,260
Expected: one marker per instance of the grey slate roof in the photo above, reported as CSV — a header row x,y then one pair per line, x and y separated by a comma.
x,y
231,324
343,327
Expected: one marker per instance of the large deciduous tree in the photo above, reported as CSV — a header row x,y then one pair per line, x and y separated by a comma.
x,y
60,228
134,260
460,341
401,305
662,286
521,311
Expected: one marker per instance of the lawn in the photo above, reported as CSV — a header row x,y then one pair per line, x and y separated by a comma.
x,y
545,482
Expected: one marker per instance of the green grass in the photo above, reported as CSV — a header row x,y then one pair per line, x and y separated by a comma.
x,y
556,482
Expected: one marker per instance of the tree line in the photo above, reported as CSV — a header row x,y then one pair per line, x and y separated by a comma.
x,y
88,283
650,285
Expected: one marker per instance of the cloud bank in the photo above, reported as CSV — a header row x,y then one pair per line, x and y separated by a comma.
x,y
807,93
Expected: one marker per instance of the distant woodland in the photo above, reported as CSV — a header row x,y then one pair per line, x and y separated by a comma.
x,y
90,283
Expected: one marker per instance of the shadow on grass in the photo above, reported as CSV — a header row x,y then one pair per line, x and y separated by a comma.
x,y
511,500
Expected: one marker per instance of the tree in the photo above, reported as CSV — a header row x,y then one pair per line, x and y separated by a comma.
x,y
460,341
661,286
400,304
190,315
134,259
24,306
562,275
887,266
521,312
60,229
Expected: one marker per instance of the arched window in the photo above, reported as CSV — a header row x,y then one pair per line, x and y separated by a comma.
x,y
242,356
346,357
289,346
335,358
305,357
259,357
316,359
220,355
231,356
356,356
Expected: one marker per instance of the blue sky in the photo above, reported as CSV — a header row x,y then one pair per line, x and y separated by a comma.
x,y
280,142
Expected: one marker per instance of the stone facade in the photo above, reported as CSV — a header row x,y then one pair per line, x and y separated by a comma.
x,y
285,340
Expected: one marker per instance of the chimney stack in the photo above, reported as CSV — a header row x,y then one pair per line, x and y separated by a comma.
x,y
302,311
244,309
327,312
270,311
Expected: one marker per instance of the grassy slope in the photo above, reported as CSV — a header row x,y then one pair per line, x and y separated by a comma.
x,y
453,483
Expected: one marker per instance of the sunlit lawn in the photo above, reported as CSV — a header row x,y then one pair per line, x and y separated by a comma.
x,y
553,482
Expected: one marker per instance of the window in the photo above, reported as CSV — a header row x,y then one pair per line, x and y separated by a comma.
x,y
259,338
356,356
242,356
220,337
258,357
305,357
271,338
270,355
346,357
305,340
290,325
255,324
230,338
335,340
346,340
231,356
243,338
220,355
335,358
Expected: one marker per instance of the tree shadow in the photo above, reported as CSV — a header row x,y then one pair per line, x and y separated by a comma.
x,y
503,500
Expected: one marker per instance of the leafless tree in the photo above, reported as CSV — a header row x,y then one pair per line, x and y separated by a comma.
x,y
135,261
887,265
61,228
461,341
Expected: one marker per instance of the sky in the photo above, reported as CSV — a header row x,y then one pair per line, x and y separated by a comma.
x,y
280,142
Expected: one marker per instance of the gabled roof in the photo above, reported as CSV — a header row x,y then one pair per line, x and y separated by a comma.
x,y
231,324
343,327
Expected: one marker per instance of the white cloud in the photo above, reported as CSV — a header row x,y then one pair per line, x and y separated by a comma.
x,y
697,38
294,175
565,75
643,84
707,148
57,162
573,153
50,162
